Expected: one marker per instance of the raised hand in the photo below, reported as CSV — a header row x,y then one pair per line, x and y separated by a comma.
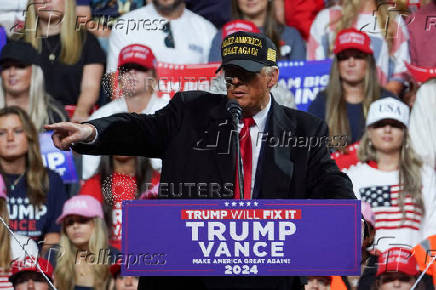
x,y
67,133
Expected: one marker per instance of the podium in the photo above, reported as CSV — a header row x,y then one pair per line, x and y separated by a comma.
x,y
241,238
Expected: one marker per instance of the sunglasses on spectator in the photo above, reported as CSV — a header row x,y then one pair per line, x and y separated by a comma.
x,y
71,220
386,122
351,53
169,39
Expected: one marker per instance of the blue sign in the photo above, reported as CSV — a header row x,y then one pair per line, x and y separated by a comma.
x,y
59,161
305,79
241,238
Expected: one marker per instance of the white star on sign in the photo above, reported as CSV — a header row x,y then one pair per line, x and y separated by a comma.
x,y
234,203
248,203
226,203
256,203
12,200
19,200
241,203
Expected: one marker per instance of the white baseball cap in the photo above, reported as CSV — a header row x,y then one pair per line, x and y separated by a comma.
x,y
388,108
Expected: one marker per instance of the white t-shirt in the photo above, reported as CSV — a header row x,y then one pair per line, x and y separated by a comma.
x,y
191,32
17,253
90,163
380,190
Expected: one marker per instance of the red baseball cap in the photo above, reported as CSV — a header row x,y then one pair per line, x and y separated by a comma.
x,y
238,25
421,74
352,38
137,54
29,264
397,260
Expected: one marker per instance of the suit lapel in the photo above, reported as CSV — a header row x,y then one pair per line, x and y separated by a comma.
x,y
221,131
275,166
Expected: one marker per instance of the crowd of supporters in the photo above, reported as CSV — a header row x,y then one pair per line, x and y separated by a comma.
x,y
56,58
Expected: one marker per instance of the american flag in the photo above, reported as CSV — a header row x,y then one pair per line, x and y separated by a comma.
x,y
384,203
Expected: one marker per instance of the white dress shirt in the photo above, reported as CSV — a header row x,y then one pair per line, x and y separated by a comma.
x,y
260,121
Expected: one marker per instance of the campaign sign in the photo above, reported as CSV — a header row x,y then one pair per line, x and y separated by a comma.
x,y
241,237
57,160
305,79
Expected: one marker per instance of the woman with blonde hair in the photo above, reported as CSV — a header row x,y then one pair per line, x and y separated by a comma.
x,y
392,179
352,87
383,24
71,57
10,247
35,194
22,84
83,232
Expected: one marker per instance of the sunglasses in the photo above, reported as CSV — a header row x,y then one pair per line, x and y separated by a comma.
x,y
71,220
347,54
392,123
169,39
242,76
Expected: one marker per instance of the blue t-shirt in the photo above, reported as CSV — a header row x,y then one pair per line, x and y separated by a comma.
x,y
355,113
24,218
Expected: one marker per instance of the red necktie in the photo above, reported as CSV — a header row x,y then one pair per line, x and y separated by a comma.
x,y
246,155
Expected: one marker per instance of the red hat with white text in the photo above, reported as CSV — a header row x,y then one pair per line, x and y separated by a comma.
x,y
397,260
352,38
137,54
29,264
238,25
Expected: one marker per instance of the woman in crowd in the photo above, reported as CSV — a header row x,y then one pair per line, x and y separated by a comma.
x,y
262,14
83,232
72,59
22,85
119,178
10,248
388,33
36,194
353,86
392,179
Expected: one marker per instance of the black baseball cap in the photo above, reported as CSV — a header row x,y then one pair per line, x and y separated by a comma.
x,y
248,50
20,51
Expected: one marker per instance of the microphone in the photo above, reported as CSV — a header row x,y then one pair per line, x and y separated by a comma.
x,y
235,110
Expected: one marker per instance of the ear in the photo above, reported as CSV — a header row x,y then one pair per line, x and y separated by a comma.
x,y
273,78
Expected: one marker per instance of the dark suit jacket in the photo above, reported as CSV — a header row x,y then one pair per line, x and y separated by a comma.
x,y
193,136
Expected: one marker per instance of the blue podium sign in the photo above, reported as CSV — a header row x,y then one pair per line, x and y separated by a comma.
x,y
241,238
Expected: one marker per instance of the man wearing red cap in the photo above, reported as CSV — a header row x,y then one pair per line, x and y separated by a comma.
x,y
137,79
27,276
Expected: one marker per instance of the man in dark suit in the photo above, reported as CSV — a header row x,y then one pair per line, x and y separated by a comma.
x,y
284,152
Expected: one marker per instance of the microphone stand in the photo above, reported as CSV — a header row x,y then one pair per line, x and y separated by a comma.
x,y
238,157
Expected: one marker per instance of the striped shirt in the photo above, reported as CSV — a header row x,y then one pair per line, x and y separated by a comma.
x,y
381,190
